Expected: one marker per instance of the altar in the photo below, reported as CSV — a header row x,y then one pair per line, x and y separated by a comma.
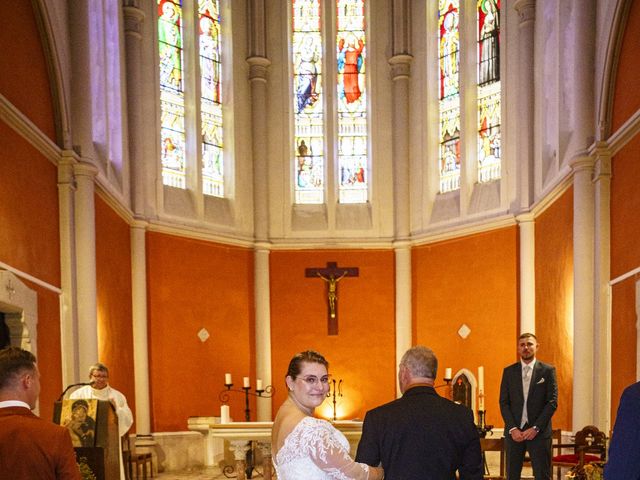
x,y
241,437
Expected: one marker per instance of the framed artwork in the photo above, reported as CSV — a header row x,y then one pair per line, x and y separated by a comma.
x,y
79,416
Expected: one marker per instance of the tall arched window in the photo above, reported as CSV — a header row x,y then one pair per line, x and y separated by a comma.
x,y
205,57
449,56
486,92
321,95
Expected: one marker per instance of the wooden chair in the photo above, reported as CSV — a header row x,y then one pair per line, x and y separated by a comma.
x,y
493,445
590,445
137,464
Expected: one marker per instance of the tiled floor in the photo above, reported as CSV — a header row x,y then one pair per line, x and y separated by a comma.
x,y
216,474
197,475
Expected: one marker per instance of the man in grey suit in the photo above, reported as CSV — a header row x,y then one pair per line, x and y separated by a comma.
x,y
528,399
421,435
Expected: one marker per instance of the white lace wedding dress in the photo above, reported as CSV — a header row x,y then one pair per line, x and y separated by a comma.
x,y
315,450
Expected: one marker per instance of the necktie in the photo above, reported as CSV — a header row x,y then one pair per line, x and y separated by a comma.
x,y
526,381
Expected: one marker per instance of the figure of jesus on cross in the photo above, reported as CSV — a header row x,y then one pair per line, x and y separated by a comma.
x,y
331,275
332,283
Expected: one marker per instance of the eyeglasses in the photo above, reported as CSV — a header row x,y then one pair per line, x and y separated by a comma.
x,y
99,376
312,380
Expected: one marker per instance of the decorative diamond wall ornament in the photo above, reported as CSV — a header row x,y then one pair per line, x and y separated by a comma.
x,y
464,331
203,335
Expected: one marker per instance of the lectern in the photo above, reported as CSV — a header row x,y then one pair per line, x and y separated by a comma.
x,y
97,449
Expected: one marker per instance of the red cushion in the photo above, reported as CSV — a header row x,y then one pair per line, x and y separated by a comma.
x,y
575,458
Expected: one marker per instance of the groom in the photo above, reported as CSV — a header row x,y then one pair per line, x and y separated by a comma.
x,y
421,435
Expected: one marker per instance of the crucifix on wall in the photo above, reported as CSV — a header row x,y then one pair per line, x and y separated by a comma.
x,y
331,275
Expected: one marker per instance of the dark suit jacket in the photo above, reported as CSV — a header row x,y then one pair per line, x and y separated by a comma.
x,y
420,436
541,402
32,448
624,460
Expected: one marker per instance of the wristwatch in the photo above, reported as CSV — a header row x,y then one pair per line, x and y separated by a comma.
x,y
536,429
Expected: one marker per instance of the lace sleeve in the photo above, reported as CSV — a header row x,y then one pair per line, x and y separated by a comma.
x,y
330,455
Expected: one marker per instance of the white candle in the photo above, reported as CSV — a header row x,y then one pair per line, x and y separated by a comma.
x,y
245,382
227,379
447,374
481,402
481,380
225,416
259,384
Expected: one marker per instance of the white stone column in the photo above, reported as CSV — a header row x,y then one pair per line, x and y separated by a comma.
x,y
258,69
258,77
133,23
582,59
526,10
263,329
527,234
402,252
85,236
71,371
583,292
140,334
602,275
400,64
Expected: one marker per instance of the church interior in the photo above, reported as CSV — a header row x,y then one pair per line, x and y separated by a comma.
x,y
197,188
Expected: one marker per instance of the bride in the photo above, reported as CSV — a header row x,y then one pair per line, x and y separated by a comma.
x,y
305,446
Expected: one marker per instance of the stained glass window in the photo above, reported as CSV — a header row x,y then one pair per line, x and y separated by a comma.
x,y
352,102
308,102
210,98
449,62
207,56
172,131
488,90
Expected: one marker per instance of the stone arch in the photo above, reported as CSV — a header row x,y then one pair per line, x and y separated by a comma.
x,y
473,383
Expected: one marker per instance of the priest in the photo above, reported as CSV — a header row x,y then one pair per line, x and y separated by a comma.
x,y
101,390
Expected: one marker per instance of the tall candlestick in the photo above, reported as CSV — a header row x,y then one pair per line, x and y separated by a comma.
x,y
245,382
259,384
227,379
225,416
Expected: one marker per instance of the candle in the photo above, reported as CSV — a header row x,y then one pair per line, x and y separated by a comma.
x,y
481,402
225,417
227,379
481,380
259,384
245,382
447,374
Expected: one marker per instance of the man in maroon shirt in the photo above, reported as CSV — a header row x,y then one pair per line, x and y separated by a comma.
x,y
30,447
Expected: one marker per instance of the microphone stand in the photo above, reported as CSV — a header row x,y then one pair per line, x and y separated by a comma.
x,y
81,384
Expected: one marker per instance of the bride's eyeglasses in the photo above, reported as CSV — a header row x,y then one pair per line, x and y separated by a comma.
x,y
312,380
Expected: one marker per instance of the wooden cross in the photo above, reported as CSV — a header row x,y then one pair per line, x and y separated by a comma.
x,y
331,275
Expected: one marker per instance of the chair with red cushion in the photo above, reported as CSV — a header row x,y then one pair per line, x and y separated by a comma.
x,y
590,445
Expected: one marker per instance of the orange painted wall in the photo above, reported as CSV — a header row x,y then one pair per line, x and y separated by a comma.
x,y
625,205
193,284
49,357
625,256
363,352
29,242
470,280
626,100
623,340
113,274
554,298
24,70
